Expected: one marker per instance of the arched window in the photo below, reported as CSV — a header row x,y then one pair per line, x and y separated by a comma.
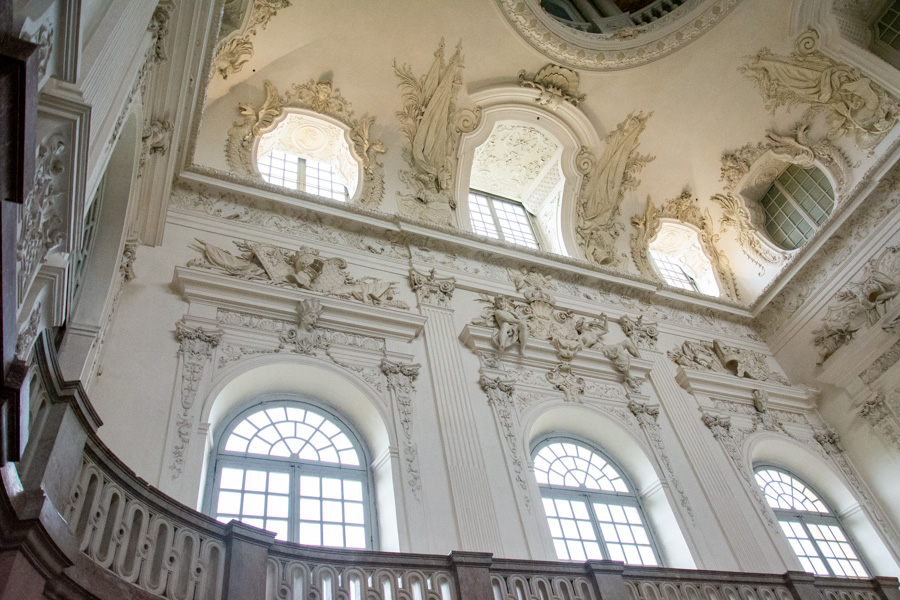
x,y
814,532
591,507
679,257
796,205
308,154
295,470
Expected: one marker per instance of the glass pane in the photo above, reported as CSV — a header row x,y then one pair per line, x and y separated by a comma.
x,y
785,492
586,469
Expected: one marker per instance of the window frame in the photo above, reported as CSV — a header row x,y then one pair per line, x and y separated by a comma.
x,y
795,205
220,458
301,175
591,496
805,517
532,224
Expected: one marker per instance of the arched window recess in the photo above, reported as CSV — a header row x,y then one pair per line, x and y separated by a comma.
x,y
295,469
307,139
523,155
674,244
591,506
780,192
813,530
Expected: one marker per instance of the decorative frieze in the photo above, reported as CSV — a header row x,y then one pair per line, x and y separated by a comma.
x,y
432,290
314,96
884,417
432,126
302,268
604,186
881,365
851,103
860,303
26,337
556,84
401,382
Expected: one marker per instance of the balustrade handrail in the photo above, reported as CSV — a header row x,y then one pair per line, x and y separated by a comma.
x,y
169,567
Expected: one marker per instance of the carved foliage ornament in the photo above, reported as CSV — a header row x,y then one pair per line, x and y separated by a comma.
x,y
563,379
431,290
557,85
604,186
234,50
883,413
317,97
684,209
500,394
718,358
432,126
860,303
302,268
40,224
851,103
401,381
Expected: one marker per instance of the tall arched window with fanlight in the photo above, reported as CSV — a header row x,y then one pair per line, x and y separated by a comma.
x,y
296,470
811,527
591,506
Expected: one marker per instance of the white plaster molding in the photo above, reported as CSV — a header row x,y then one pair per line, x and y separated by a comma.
x,y
623,48
740,389
207,291
401,382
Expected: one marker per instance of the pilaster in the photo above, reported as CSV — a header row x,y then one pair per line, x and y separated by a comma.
x,y
474,508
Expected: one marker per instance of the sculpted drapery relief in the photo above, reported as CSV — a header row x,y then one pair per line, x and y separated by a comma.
x,y
851,103
604,186
860,303
432,125
684,209
719,358
302,268
314,96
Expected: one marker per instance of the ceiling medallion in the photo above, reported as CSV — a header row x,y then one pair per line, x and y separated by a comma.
x,y
621,48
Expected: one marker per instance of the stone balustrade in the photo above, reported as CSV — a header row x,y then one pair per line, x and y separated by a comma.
x,y
76,523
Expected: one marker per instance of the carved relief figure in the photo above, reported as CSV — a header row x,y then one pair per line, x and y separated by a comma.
x,y
302,268
851,102
719,358
860,303
432,126
604,187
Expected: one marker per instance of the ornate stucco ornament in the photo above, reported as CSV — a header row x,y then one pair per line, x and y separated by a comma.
x,y
747,219
851,103
716,357
159,27
860,303
604,186
431,289
557,84
883,413
317,97
625,47
563,379
432,125
235,49
516,321
302,268
644,334
684,209
41,225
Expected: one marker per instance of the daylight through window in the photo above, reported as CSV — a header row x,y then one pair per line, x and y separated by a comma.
x,y
796,205
501,219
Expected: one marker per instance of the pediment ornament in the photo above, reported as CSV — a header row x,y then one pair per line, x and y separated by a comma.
x,y
319,97
557,84
302,269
